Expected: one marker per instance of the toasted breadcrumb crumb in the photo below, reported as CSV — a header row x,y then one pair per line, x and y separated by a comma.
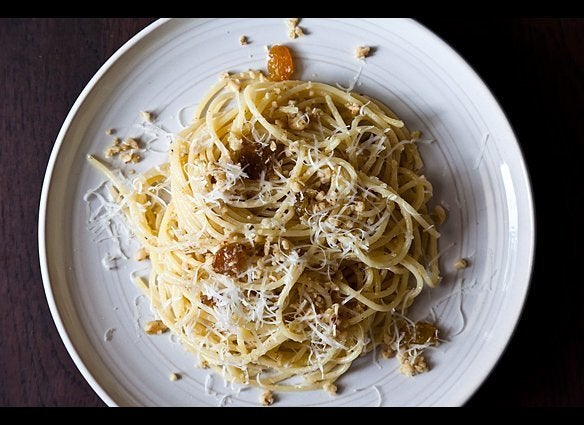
x,y
330,388
155,327
362,52
110,131
461,263
141,254
267,398
243,40
174,377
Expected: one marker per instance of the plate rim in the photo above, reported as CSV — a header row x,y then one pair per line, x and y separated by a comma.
x,y
516,309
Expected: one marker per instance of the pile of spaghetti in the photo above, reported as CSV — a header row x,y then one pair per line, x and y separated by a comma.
x,y
288,233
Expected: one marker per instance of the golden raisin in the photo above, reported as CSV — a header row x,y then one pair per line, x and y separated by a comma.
x,y
425,333
253,159
280,65
230,259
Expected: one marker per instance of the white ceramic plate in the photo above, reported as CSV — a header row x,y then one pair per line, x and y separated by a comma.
x,y
475,165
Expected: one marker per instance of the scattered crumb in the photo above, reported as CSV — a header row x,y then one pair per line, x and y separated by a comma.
x,y
461,263
330,388
243,40
155,327
267,398
362,52
141,254
110,131
117,147
146,116
294,30
109,334
174,377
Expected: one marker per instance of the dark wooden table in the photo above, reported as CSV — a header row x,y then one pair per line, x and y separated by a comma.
x,y
535,67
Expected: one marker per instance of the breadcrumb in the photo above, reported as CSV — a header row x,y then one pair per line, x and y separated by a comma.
x,y
155,327
243,40
174,377
267,398
362,52
110,131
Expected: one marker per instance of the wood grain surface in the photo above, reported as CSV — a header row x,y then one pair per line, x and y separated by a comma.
x,y
535,68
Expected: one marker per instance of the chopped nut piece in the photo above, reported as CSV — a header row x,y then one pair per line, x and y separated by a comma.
x,y
330,388
461,263
174,376
110,131
243,40
141,254
267,398
235,143
294,30
411,367
353,108
112,151
131,157
362,52
130,143
155,327
146,116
